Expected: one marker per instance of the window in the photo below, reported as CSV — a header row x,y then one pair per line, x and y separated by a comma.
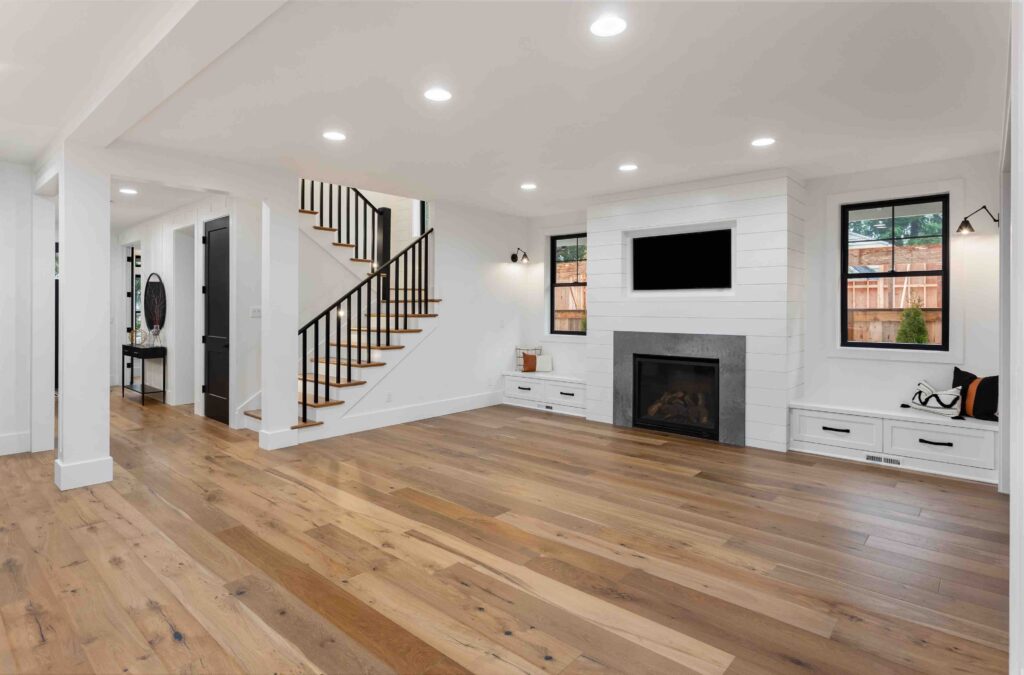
x,y
569,284
895,281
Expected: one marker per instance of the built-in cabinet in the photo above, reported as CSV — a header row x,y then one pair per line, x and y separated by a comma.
x,y
544,391
904,438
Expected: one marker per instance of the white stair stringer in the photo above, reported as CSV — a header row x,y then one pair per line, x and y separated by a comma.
x,y
339,420
325,240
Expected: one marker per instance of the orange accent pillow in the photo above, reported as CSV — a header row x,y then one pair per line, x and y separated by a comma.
x,y
529,363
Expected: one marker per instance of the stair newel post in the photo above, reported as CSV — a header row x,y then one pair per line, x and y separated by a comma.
x,y
348,341
327,356
305,374
316,361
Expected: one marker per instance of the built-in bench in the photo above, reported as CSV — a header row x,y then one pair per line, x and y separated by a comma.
x,y
905,438
546,391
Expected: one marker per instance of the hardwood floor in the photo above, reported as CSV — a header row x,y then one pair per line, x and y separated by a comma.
x,y
497,540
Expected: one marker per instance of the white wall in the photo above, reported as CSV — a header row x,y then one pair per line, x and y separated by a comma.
x,y
460,363
184,292
887,379
764,305
322,277
157,239
15,306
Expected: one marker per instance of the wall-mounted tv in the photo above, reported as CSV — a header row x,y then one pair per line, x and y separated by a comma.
x,y
691,260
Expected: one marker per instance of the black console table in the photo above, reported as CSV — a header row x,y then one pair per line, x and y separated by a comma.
x,y
142,353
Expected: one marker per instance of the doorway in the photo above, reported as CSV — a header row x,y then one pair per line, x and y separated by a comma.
x,y
216,297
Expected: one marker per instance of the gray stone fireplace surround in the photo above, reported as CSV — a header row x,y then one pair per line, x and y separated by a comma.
x,y
731,352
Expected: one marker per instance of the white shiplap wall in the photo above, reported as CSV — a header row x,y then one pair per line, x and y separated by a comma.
x,y
765,305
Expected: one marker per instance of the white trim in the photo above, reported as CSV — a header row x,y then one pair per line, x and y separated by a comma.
x,y
955,189
15,442
80,474
277,440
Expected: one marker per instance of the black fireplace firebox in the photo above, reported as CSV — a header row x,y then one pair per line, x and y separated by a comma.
x,y
677,394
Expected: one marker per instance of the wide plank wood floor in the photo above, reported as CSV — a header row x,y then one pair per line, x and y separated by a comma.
x,y
497,540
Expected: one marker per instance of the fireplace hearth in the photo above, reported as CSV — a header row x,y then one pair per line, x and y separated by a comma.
x,y
676,394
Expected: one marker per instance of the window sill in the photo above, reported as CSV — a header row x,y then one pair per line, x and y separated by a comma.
x,y
562,337
952,356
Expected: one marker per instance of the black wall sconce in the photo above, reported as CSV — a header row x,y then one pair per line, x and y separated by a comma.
x,y
965,225
520,258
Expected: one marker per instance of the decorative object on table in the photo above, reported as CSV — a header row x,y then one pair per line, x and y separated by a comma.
x,y
155,302
965,224
544,363
156,338
515,257
930,399
530,363
520,351
980,395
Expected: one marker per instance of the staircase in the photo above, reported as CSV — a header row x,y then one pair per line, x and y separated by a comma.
x,y
353,344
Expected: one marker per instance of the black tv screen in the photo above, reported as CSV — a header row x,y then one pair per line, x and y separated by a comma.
x,y
691,260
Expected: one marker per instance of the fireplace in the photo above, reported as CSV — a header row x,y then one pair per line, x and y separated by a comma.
x,y
677,394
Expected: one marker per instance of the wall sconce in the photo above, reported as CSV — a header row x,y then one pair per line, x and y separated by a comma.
x,y
520,258
965,225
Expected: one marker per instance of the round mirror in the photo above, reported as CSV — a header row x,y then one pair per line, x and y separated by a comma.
x,y
155,302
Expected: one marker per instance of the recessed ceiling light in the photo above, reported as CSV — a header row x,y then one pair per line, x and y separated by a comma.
x,y
608,25
334,135
762,142
627,167
128,191
529,186
438,94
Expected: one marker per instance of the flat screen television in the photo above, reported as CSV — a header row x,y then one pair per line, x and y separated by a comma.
x,y
691,260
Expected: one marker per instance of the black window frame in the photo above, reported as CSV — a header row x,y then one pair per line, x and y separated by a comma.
x,y
845,274
551,294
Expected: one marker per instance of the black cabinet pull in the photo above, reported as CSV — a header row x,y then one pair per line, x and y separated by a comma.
x,y
566,393
842,431
927,442
525,389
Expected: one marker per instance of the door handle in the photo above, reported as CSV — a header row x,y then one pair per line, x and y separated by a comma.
x,y
842,431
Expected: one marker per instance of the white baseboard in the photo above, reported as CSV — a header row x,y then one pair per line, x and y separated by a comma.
x,y
355,423
15,442
80,474
276,440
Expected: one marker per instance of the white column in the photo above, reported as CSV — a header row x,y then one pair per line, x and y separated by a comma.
x,y
83,438
44,236
279,351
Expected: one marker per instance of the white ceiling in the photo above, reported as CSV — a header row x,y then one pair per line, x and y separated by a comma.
x,y
153,200
54,56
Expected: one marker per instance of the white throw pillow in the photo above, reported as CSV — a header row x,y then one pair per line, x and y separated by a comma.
x,y
544,363
929,399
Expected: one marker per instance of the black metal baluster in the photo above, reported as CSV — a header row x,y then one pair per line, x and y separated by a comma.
x,y
305,374
387,302
327,356
363,256
405,289
316,361
337,330
426,269
348,342
369,320
348,216
302,195
330,205
321,209
359,327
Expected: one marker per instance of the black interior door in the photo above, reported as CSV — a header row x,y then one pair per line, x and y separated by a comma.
x,y
215,342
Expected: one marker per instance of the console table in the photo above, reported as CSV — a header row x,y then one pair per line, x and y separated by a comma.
x,y
142,353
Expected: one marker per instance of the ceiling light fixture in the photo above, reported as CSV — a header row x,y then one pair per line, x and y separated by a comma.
x,y
625,168
334,135
762,142
439,94
128,191
608,25
528,186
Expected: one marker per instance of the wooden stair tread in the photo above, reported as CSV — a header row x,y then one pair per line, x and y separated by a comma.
x,y
312,213
362,260
355,364
354,346
325,229
321,404
334,383
338,243
402,316
258,414
393,330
